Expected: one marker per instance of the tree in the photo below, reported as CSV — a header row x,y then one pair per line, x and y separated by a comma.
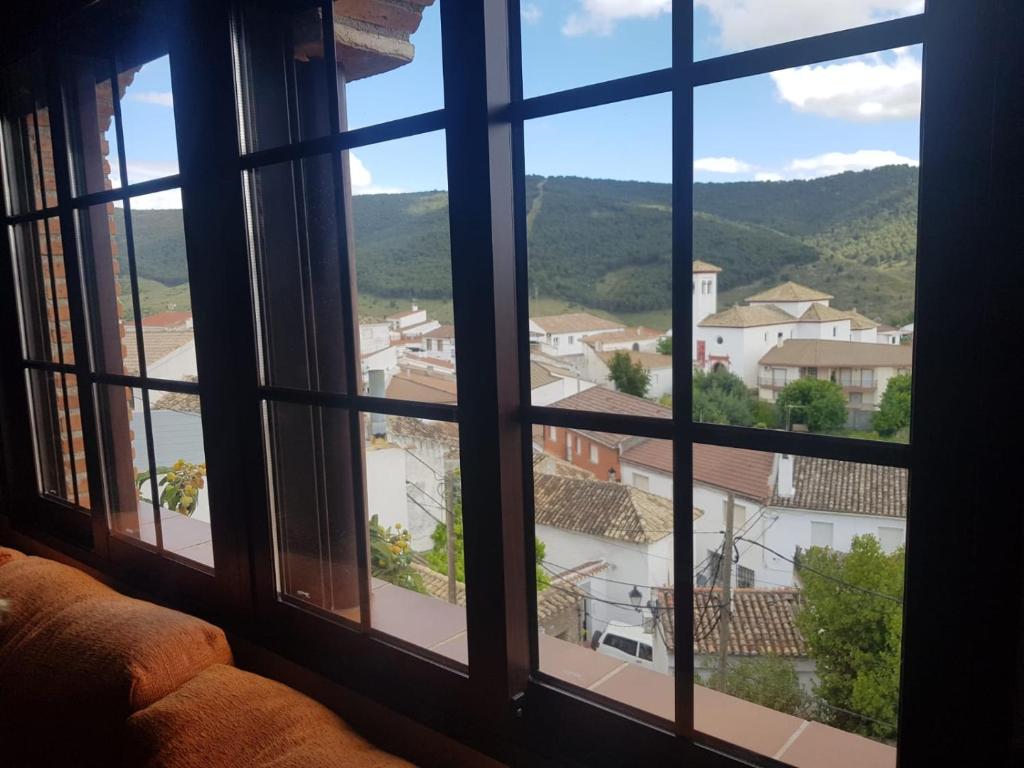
x,y
629,377
818,403
854,633
770,681
437,557
721,397
665,345
894,410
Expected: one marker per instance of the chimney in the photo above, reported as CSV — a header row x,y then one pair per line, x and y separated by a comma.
x,y
378,421
415,308
784,483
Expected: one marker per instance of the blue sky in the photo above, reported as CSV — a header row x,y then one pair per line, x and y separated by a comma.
x,y
846,115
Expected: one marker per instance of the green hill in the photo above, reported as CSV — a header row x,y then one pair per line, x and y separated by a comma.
x,y
606,245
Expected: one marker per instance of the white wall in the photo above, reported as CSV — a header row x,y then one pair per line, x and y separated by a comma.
x,y
658,483
743,346
385,485
563,344
373,337
833,330
176,366
559,390
705,302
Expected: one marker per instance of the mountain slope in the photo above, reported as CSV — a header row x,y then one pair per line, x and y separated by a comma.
x,y
606,245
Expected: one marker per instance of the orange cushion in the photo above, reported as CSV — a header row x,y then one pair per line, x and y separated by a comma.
x,y
7,555
228,718
80,655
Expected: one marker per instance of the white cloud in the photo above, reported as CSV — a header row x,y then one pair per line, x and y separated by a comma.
x,y
721,165
745,24
873,88
768,176
837,162
362,179
530,13
147,171
160,98
599,17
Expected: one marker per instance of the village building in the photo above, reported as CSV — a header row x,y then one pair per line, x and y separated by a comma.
x,y
659,368
562,335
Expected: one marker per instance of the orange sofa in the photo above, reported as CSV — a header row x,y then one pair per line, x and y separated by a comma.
x,y
89,677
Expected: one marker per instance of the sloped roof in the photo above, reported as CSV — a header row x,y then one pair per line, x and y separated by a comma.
x,y
603,400
747,317
575,321
599,508
441,332
158,342
646,359
178,401
819,313
166,319
703,266
546,464
744,472
830,485
540,376
409,385
790,291
826,353
763,622
639,333
444,432
859,322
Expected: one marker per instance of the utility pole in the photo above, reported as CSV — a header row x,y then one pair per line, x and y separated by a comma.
x,y
725,608
449,519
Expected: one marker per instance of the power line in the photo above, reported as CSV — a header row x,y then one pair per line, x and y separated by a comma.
x,y
829,577
861,715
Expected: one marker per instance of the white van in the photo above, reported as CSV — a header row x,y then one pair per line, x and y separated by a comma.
x,y
626,643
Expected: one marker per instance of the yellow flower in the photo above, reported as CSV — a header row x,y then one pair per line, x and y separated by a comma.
x,y
396,549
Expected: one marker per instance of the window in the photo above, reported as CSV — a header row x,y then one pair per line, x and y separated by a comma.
x,y
821,534
623,644
252,267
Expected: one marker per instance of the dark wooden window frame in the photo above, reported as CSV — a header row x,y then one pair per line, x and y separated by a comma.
x,y
502,704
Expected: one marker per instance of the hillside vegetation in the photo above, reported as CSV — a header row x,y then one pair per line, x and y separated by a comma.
x,y
606,245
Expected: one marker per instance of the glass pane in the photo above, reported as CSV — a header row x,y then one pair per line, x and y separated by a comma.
x,y
313,523
282,78
390,58
126,469
805,234
807,604
57,433
599,234
164,299
183,493
147,110
107,278
415,515
569,43
293,229
604,543
26,138
728,26
42,291
403,268
92,129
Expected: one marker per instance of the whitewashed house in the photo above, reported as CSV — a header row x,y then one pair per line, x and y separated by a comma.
x,y
638,339
659,367
439,343
862,370
705,295
630,530
550,383
562,335
401,321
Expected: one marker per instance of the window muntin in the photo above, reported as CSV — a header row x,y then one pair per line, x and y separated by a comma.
x,y
28,156
730,26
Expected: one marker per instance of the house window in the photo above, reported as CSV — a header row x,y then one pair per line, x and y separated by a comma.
x,y
593,454
572,339
643,482
821,534
744,577
890,538
579,446
553,433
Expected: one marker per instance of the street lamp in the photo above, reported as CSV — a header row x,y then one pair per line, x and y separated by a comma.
x,y
635,597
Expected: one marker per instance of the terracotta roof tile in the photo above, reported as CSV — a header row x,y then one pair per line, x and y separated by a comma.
x,y
166,319
845,486
546,464
600,508
747,317
747,473
790,291
763,622
575,321
159,344
602,400
819,313
859,322
540,376
648,360
640,333
409,385
825,353
702,266
441,332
